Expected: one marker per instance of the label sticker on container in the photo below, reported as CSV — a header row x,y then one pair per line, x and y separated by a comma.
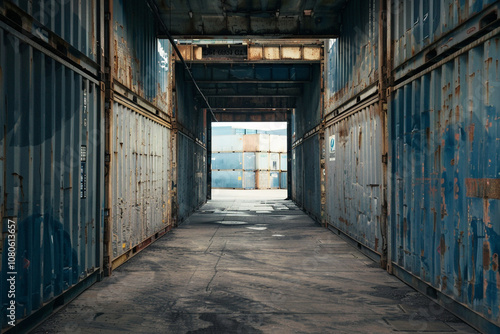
x,y
239,178
332,148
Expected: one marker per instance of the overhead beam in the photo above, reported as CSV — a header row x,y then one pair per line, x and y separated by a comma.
x,y
253,102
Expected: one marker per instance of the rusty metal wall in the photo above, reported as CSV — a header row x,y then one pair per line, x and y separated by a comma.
x,y
191,175
353,147
352,59
140,177
445,176
74,21
50,173
141,61
423,30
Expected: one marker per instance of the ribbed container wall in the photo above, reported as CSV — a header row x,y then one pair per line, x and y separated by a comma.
x,y
274,161
355,177
140,178
283,180
277,143
311,172
249,180
256,143
191,175
352,63
72,20
50,174
418,25
283,161
249,161
274,180
142,62
444,177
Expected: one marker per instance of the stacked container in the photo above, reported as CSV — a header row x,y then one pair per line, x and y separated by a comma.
x,y
244,159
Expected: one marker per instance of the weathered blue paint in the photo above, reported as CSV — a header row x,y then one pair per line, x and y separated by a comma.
x,y
75,22
48,114
445,178
142,61
352,59
227,160
417,25
227,143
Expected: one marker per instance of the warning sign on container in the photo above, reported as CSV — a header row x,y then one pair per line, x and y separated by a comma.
x,y
332,148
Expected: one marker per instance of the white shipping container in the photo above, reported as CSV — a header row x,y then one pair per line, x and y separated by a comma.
x,y
277,144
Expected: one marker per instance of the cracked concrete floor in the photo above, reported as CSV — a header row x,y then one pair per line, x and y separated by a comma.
x,y
250,262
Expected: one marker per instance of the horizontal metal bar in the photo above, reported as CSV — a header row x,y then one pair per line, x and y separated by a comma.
x,y
243,81
49,53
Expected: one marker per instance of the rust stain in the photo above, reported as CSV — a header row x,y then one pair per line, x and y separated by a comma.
x,y
486,256
471,132
376,243
483,188
442,246
494,265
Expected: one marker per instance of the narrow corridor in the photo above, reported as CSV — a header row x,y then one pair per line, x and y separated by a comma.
x,y
245,264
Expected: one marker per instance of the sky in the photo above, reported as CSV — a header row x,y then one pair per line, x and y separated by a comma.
x,y
252,125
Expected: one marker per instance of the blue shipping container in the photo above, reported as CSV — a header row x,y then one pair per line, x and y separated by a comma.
x,y
227,179
227,160
283,180
275,180
283,161
249,161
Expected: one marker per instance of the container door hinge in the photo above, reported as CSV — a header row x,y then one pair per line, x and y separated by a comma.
x,y
384,158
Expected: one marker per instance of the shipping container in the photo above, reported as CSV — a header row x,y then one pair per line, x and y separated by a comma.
x,y
249,180
140,177
74,22
274,161
274,182
256,143
425,31
229,179
51,175
283,180
353,146
263,179
141,61
249,161
227,160
352,59
223,131
191,175
262,161
311,176
283,161
228,143
444,171
278,143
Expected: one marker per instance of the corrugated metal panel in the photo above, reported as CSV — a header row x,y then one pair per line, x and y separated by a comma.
x,y
249,161
274,180
311,178
49,116
228,179
354,176
309,109
249,180
139,179
283,180
444,178
352,59
142,62
277,143
418,24
297,176
191,175
74,21
256,143
262,161
227,160
232,143
283,161
274,161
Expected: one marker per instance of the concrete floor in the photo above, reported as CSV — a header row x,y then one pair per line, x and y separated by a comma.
x,y
251,262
